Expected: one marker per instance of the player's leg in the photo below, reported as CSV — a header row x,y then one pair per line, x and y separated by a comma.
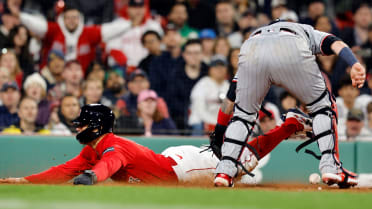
x,y
295,121
193,165
303,78
253,84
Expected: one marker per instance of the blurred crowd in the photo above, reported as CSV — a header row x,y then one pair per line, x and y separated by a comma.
x,y
163,66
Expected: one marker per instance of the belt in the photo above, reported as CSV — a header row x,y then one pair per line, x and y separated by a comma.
x,y
281,29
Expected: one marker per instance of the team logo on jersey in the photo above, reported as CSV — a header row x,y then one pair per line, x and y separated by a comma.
x,y
108,150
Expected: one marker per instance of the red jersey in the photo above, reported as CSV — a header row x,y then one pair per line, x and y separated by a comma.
x,y
115,157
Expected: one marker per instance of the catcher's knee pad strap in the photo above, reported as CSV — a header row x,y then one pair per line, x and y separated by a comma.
x,y
244,144
237,163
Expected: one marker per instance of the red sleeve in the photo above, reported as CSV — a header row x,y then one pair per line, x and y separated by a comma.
x,y
94,34
53,28
109,164
66,171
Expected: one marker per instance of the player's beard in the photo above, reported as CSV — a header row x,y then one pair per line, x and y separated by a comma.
x,y
116,89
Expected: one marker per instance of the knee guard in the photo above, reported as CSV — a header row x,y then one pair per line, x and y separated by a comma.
x,y
324,117
236,138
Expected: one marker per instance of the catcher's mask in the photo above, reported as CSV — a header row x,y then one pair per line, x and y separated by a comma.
x,y
99,119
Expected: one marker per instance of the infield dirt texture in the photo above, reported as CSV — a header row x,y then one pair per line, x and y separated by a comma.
x,y
110,196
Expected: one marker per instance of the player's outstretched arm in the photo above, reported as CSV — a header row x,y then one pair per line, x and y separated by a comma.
x,y
358,72
11,180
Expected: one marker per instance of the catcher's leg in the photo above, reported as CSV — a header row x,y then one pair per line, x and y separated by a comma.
x,y
253,84
324,114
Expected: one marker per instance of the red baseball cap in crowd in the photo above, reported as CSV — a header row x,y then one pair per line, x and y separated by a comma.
x,y
262,115
146,94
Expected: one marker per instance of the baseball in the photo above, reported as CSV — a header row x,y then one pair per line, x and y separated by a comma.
x,y
314,178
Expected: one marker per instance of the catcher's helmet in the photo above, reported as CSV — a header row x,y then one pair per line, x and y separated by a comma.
x,y
100,120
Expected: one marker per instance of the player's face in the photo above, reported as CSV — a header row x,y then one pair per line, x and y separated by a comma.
x,y
72,19
80,129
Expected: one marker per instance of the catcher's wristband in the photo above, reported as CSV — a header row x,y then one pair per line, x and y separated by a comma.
x,y
347,55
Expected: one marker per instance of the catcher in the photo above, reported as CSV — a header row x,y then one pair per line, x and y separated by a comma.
x,y
109,156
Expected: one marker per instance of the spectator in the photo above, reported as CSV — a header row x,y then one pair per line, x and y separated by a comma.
x,y
96,71
69,110
153,121
358,35
55,125
201,14
8,21
53,71
73,76
278,7
19,40
289,16
233,60
129,43
115,85
178,16
346,99
27,114
9,60
247,20
35,88
323,23
182,79
287,101
138,82
4,78
151,40
207,96
10,96
221,46
366,50
354,126
161,67
207,38
225,24
369,117
92,93
267,122
70,35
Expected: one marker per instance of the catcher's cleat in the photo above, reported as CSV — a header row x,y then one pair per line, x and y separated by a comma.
x,y
301,117
223,180
343,180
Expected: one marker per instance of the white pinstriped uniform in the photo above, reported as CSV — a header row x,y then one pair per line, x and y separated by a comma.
x,y
282,54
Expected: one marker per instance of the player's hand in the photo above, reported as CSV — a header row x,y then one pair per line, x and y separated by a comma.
x,y
358,75
14,181
87,178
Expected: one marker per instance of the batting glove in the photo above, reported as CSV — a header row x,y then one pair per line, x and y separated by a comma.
x,y
87,178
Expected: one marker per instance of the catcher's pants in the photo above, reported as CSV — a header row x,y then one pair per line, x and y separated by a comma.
x,y
283,59
192,164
